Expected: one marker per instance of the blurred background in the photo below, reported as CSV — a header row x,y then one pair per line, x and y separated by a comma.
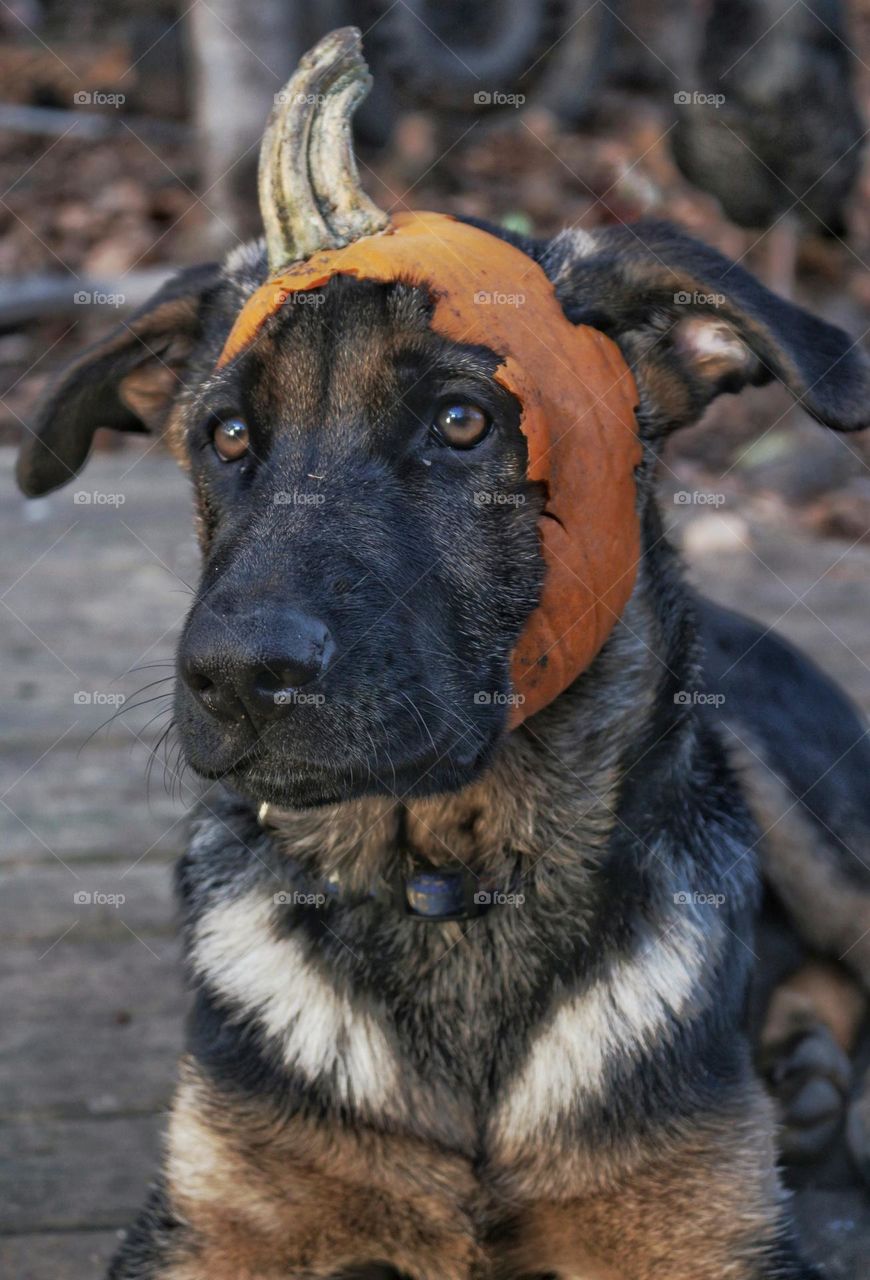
x,y
128,147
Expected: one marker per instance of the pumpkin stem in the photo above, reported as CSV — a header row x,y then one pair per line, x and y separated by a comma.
x,y
310,193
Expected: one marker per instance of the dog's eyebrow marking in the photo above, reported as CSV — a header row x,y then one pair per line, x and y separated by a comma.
x,y
319,1031
627,1013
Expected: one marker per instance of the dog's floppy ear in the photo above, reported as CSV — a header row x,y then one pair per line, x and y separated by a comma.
x,y
127,381
692,325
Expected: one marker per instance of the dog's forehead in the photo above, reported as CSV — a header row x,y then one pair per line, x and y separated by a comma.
x,y
352,349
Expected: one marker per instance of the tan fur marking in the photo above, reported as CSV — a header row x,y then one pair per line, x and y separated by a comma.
x,y
818,992
175,436
696,1207
266,1198
665,388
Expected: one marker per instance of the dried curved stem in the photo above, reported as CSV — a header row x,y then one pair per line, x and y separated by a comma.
x,y
310,193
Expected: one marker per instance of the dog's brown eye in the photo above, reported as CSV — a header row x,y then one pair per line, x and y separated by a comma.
x,y
230,439
461,425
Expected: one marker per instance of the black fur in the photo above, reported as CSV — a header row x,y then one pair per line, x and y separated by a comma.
x,y
802,722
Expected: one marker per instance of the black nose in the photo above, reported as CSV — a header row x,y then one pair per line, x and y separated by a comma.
x,y
260,667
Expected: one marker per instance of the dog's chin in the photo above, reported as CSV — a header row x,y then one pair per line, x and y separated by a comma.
x,y
303,770
293,784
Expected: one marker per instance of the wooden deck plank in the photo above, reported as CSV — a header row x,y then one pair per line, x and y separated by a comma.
x,y
63,1255
91,1027
38,903
99,805
75,1173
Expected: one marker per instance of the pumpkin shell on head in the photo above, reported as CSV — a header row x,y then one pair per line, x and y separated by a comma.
x,y
577,398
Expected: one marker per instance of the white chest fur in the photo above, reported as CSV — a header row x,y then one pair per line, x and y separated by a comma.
x,y
320,1033
623,1014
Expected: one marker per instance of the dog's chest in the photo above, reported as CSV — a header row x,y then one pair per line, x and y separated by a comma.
x,y
402,1043
445,1042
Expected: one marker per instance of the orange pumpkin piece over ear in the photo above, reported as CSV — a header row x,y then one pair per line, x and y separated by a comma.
x,y
577,398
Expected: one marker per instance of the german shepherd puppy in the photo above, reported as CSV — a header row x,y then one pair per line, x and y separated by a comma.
x,y
468,1003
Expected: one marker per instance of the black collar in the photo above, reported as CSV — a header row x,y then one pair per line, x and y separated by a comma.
x,y
434,895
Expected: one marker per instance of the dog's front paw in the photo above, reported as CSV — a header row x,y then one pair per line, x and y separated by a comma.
x,y
808,1075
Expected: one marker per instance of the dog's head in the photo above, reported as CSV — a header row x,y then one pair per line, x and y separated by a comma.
x,y
371,537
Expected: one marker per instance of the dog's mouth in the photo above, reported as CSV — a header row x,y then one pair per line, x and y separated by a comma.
x,y
266,775
296,785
